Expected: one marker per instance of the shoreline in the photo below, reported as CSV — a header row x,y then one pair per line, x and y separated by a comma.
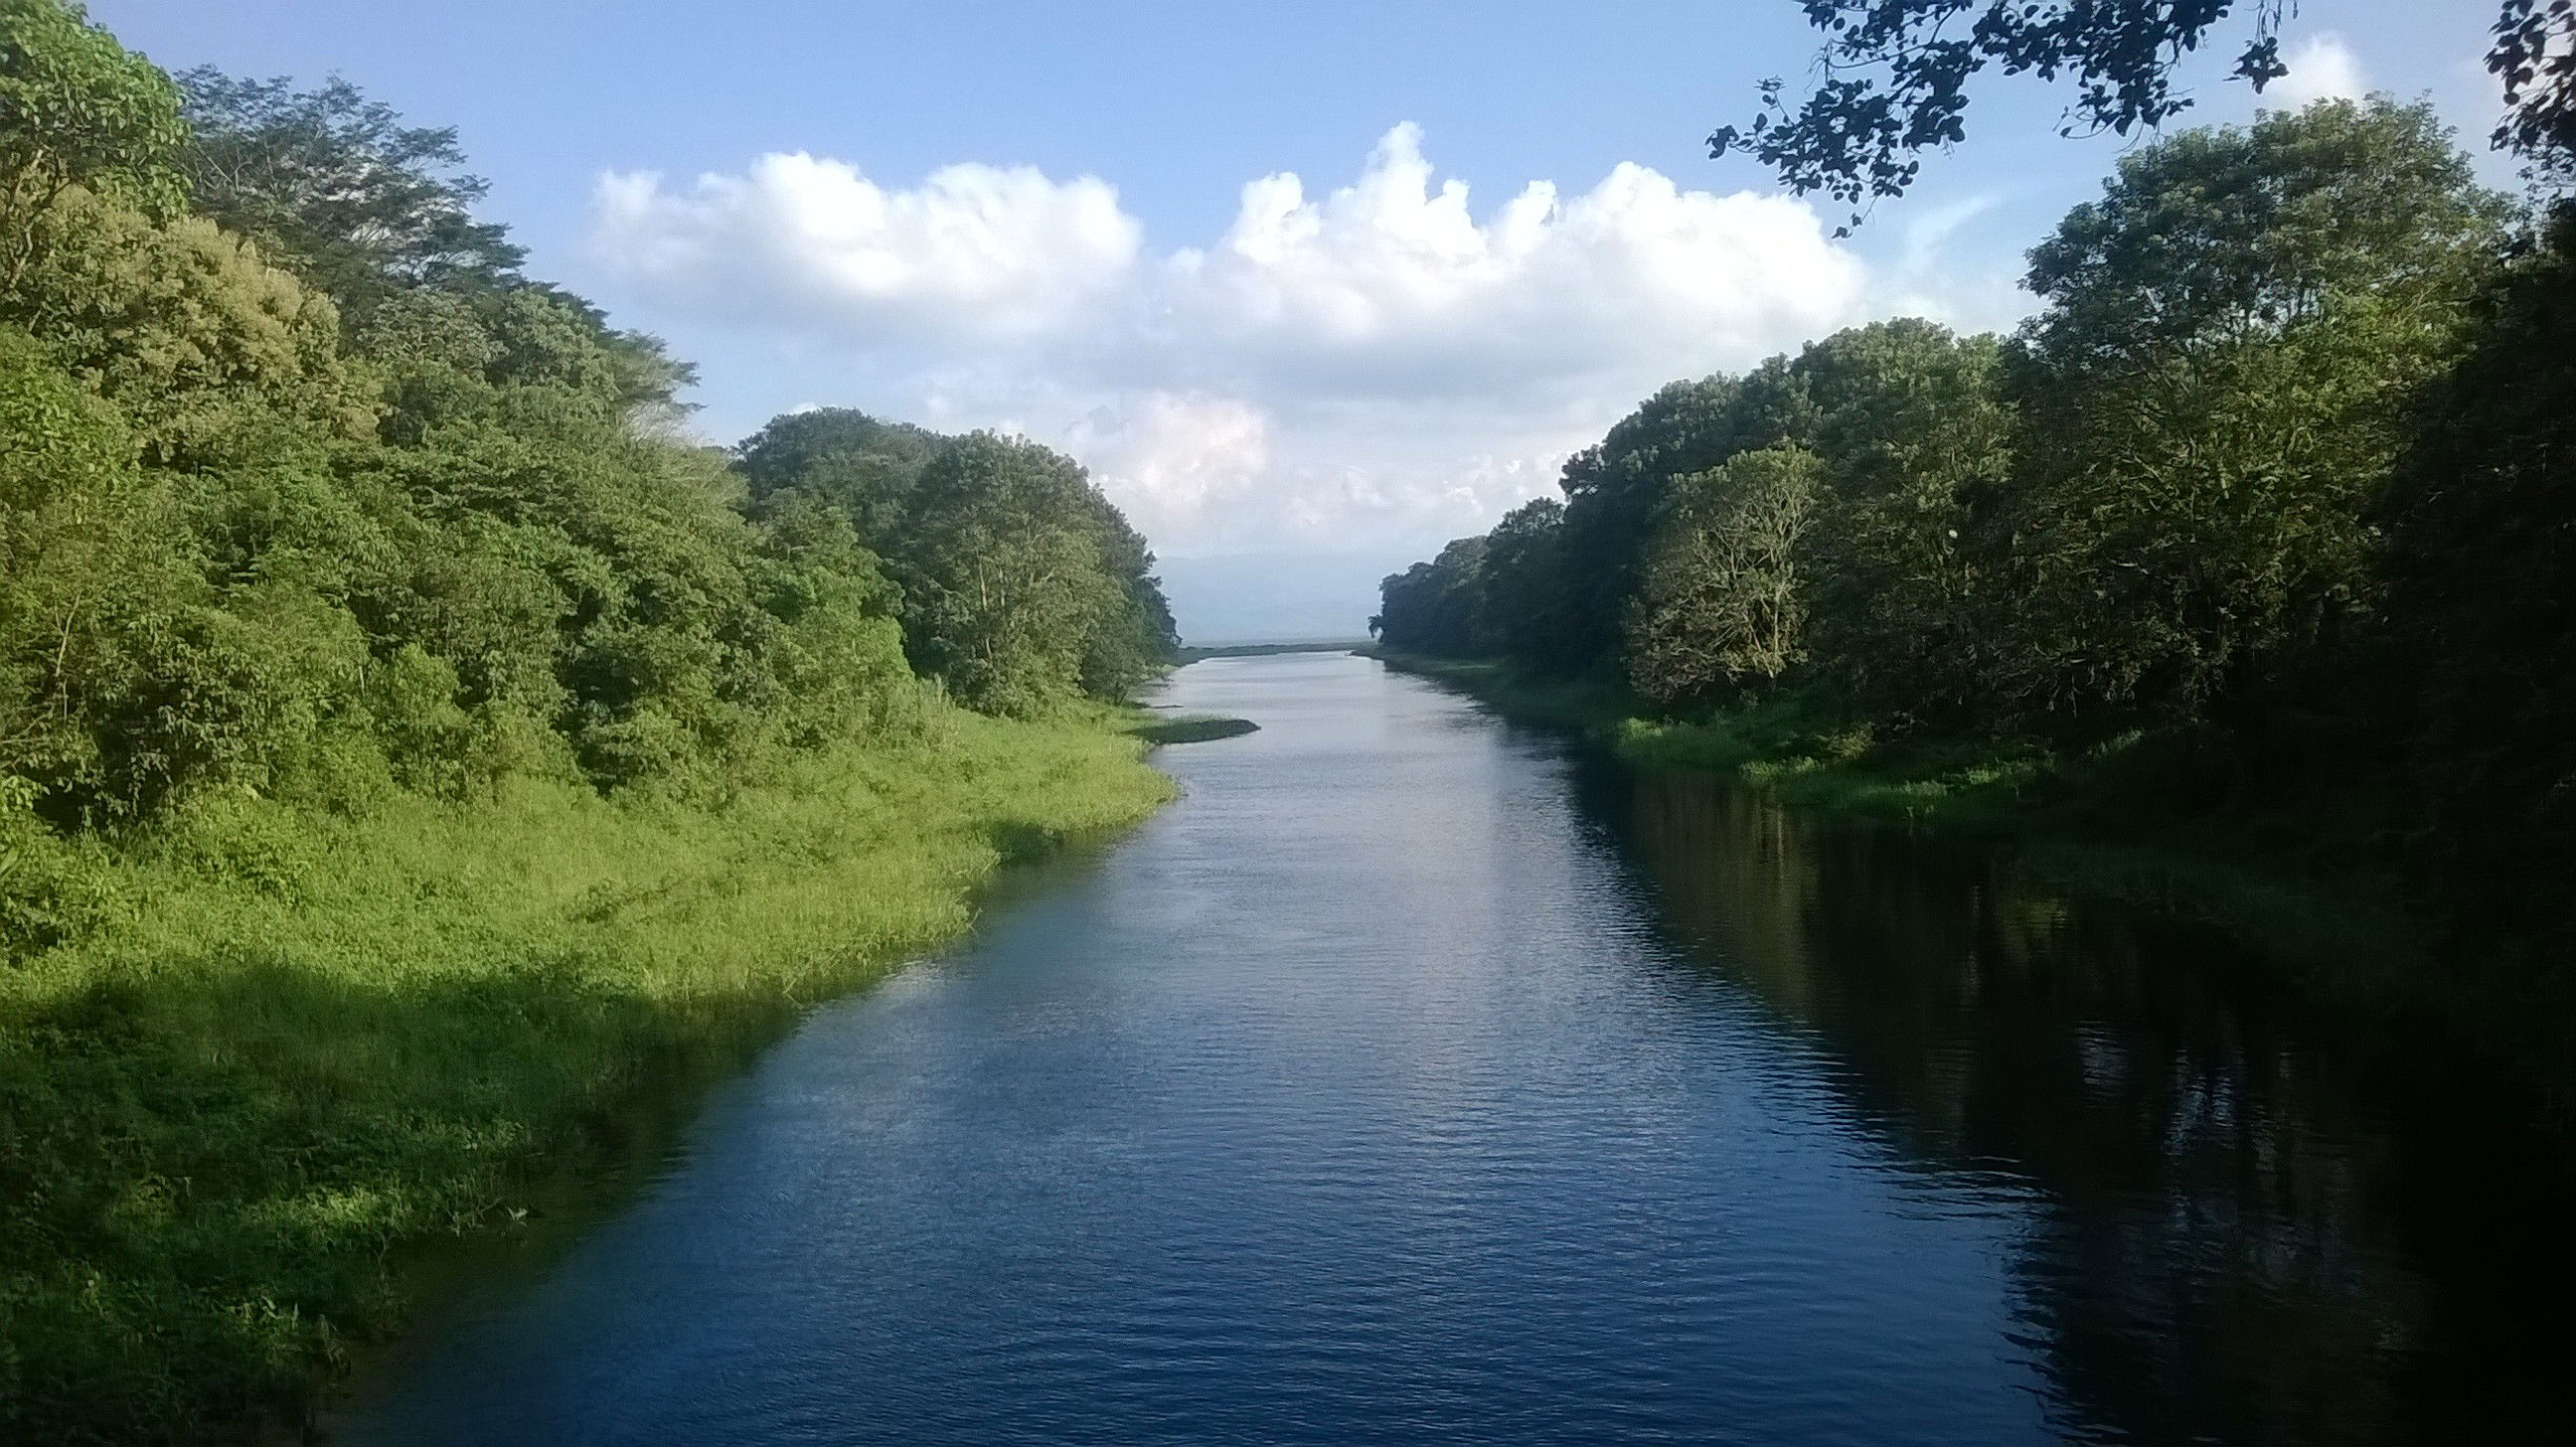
x,y
281,1096
2339,933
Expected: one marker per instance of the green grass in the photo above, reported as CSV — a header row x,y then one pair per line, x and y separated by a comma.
x,y
1191,728
276,1048
2108,823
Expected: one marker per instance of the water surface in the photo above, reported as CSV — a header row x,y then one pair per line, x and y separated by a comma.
x,y
1414,1079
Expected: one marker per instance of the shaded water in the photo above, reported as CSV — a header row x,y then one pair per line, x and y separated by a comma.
x,y
1414,1080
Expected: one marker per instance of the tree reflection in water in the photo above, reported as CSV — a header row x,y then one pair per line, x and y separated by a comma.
x,y
2261,1222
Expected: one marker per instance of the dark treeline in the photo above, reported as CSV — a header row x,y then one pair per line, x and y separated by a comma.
x,y
2265,510
302,481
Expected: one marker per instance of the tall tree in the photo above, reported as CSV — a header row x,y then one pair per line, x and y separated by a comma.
x,y
2481,526
338,189
77,109
2212,396
864,467
1614,490
1917,436
1722,596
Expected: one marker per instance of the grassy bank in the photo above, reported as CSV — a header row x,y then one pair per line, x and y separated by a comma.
x,y
2103,824
269,1046
1191,728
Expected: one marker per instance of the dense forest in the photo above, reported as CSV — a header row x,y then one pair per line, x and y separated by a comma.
x,y
414,747
2260,524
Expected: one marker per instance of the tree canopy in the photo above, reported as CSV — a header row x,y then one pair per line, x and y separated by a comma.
x,y
309,489
2273,481
1894,80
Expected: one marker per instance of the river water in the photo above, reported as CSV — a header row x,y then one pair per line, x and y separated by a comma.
x,y
1416,1079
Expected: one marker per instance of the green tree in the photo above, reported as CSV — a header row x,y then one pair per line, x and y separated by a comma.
x,y
1009,577
862,466
1521,608
2212,397
1431,607
1613,491
336,188
2481,528
1917,439
77,109
1723,596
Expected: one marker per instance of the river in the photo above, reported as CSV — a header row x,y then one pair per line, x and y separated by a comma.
x,y
1416,1078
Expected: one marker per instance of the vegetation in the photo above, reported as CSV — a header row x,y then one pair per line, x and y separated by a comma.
x,y
1193,728
2253,541
1192,653
414,749
1893,80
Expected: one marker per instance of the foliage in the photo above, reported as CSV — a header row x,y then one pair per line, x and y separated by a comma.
x,y
411,748
2267,501
2481,529
1524,602
1722,599
338,190
1431,607
2213,395
857,464
1916,434
1893,78
1613,490
2535,57
77,110
1022,586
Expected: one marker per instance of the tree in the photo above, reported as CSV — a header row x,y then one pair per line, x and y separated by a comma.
x,y
1431,607
1521,609
2226,232
338,190
2481,529
1895,77
1917,438
2535,58
1722,597
2212,398
1614,490
863,467
1015,591
76,109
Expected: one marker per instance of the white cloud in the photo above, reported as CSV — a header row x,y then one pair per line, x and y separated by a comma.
x,y
1379,364
2324,66
1392,285
978,251
1173,459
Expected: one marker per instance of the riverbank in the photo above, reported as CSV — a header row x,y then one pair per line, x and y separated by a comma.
x,y
269,1047
2098,825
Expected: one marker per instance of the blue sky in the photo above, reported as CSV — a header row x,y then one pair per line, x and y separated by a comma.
x,y
1074,220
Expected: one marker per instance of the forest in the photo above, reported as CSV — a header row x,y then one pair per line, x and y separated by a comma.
x,y
2255,536
415,750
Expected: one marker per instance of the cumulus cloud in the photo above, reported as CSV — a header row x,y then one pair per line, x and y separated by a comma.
x,y
1174,459
1393,285
1380,362
974,251
2324,66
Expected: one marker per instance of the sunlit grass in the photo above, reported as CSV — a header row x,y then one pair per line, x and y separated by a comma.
x,y
1190,728
283,1043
